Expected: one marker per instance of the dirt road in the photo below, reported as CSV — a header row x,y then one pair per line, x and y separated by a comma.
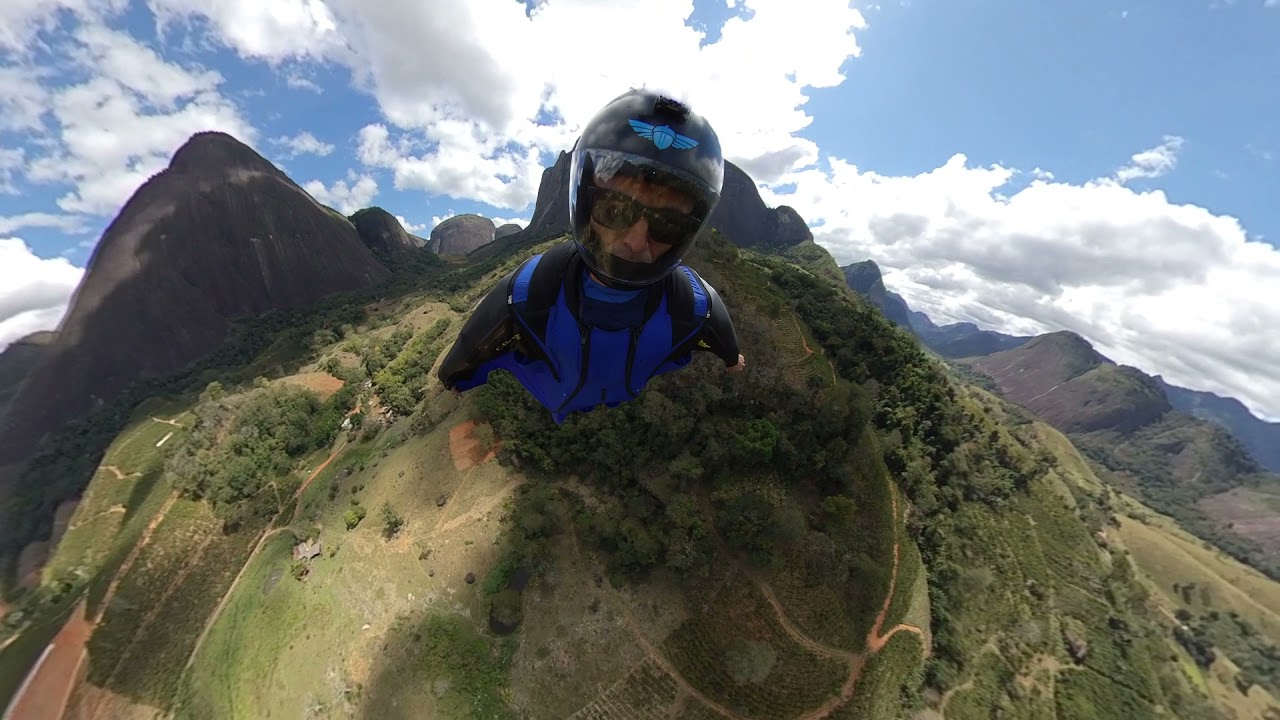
x,y
44,694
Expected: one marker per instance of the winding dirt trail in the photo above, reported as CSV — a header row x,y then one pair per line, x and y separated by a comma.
x,y
116,471
856,661
875,641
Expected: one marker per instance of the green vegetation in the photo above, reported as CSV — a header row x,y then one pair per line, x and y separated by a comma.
x,y
739,528
63,462
239,444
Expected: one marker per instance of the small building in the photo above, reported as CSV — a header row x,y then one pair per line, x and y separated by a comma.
x,y
307,551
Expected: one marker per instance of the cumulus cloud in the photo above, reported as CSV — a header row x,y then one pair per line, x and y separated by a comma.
x,y
1170,288
345,196
34,291
1152,162
304,143
410,227
116,113
475,113
22,20
65,223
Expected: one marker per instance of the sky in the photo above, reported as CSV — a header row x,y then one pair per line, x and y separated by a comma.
x,y
1108,168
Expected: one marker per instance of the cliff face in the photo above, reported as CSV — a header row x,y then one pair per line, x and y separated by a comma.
x,y
219,234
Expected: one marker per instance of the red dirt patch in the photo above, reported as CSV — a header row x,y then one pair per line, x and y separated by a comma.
x,y
49,685
465,446
322,383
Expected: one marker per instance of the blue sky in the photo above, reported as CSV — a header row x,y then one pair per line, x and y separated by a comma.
x,y
906,132
1074,88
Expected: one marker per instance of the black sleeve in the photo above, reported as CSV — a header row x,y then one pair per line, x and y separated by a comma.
x,y
717,334
487,334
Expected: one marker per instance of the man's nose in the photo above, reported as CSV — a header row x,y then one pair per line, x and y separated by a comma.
x,y
637,236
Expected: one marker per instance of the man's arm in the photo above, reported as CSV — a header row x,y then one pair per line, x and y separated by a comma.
x,y
718,335
487,334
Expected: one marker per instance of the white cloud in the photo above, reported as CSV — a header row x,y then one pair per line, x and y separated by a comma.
x,y
346,196
12,163
273,31
304,143
1172,289
122,122
1152,162
65,223
462,111
499,222
22,20
410,227
34,291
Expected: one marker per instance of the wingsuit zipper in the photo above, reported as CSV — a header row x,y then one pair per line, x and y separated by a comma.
x,y
584,343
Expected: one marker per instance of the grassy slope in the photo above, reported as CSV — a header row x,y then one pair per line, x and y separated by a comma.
x,y
390,628
108,521
1166,555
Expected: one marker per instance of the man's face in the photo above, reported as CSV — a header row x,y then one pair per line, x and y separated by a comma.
x,y
636,243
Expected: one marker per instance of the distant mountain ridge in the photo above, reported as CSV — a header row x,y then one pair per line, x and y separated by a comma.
x,y
1123,419
221,233
1260,436
950,341
966,340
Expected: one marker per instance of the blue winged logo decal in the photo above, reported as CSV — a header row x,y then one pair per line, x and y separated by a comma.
x,y
663,136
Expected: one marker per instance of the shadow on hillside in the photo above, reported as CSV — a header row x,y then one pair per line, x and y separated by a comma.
x,y
439,665
397,688
141,489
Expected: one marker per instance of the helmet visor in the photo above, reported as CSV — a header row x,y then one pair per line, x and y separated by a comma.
x,y
635,218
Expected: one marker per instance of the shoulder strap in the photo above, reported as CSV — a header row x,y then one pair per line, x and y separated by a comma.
x,y
536,287
687,303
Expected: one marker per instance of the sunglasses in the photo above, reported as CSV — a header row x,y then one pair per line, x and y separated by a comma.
x,y
619,211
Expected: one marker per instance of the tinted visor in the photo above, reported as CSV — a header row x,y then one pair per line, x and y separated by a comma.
x,y
613,192
619,211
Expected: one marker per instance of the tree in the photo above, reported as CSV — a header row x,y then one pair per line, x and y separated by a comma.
x,y
213,392
750,661
353,516
391,522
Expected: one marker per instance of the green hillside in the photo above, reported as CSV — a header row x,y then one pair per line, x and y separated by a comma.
x,y
845,530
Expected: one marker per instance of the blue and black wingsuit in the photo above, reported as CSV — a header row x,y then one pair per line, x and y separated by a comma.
x,y
580,327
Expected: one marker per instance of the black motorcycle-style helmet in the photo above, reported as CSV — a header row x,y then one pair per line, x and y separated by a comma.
x,y
642,136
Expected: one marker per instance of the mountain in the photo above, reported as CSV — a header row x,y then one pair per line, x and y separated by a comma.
x,y
956,340
505,230
1262,438
461,234
1061,378
381,232
1122,419
18,360
741,214
219,234
844,530
864,277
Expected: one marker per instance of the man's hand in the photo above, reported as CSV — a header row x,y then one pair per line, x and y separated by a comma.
x,y
742,365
